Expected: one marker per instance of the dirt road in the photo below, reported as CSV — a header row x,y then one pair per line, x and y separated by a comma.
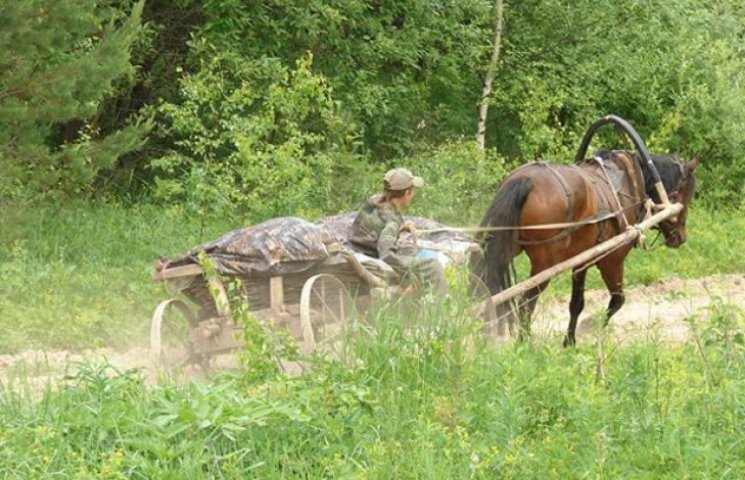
x,y
657,311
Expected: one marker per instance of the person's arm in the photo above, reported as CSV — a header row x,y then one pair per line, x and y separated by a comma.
x,y
387,239
386,245
409,226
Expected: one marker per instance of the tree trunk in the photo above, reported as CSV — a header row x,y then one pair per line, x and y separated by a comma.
x,y
489,77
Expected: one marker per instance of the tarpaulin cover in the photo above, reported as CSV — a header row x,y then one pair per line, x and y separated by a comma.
x,y
291,245
275,247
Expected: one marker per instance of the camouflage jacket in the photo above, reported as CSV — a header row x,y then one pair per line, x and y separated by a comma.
x,y
375,232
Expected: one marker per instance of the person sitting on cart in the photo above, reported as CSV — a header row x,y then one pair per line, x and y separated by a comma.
x,y
376,230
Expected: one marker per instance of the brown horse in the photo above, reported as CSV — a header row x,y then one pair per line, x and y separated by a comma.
x,y
582,205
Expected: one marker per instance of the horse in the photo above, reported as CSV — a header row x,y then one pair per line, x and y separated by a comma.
x,y
553,212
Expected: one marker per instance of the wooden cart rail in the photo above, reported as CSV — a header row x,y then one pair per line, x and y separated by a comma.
x,y
313,305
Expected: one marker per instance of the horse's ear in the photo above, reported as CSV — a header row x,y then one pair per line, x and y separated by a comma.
x,y
692,165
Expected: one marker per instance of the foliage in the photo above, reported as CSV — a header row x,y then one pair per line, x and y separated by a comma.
x,y
406,76
662,66
430,387
724,329
460,181
270,155
403,70
61,60
370,84
287,107
79,276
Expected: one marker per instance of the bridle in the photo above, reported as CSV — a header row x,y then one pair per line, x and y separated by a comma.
x,y
668,228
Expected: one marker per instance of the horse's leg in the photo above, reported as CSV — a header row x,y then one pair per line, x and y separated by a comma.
x,y
576,304
612,274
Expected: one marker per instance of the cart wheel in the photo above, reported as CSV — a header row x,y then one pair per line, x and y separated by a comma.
x,y
485,307
325,308
169,335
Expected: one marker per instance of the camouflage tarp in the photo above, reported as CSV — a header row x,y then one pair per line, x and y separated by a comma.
x,y
291,245
275,247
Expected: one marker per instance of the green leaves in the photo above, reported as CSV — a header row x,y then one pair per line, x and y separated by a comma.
x,y
420,379
247,130
658,64
59,66
253,98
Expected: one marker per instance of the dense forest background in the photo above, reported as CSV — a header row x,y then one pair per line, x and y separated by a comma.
x,y
280,107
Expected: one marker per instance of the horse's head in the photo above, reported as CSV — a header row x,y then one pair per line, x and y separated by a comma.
x,y
680,184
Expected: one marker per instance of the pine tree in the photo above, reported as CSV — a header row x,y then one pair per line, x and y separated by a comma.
x,y
60,60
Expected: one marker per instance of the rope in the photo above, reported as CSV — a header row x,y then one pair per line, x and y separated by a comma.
x,y
544,226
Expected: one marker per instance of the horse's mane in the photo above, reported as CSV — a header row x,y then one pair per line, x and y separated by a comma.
x,y
669,168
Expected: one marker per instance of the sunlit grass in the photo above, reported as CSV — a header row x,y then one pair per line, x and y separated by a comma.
x,y
80,276
417,396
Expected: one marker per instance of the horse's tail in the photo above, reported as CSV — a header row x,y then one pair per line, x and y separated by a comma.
x,y
500,246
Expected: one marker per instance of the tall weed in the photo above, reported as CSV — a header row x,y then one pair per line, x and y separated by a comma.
x,y
421,396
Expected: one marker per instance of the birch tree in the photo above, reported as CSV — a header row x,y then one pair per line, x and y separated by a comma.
x,y
489,77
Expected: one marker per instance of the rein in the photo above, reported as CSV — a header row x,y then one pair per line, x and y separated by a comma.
x,y
546,226
564,225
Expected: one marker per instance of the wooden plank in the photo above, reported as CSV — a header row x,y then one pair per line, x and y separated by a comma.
x,y
276,293
628,236
176,272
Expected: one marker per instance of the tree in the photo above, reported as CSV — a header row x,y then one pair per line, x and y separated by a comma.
x,y
682,86
403,70
254,135
489,77
60,60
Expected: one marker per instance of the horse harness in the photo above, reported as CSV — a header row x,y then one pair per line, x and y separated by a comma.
x,y
608,184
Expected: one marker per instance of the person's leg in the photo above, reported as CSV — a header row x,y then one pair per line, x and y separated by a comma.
x,y
430,275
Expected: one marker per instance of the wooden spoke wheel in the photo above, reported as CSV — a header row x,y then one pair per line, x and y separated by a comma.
x,y
171,324
326,307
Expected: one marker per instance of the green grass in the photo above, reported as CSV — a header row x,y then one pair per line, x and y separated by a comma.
x,y
421,398
78,276
419,395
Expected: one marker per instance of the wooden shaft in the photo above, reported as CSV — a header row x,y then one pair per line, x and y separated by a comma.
x,y
588,255
662,193
664,201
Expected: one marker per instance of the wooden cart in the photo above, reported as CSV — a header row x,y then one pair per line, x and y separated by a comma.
x,y
314,305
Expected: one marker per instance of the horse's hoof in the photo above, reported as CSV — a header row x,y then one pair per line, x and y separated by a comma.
x,y
568,342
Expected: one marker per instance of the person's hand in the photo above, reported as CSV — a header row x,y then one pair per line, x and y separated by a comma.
x,y
409,226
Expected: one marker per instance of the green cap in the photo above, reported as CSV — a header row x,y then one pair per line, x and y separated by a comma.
x,y
401,179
